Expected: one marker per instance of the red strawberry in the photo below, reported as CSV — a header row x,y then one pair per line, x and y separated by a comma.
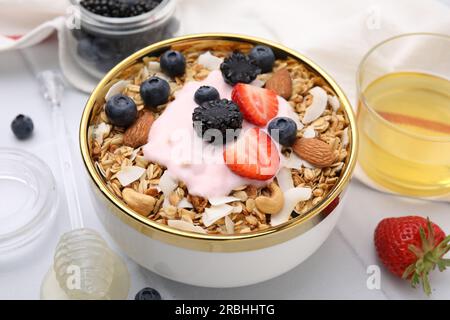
x,y
253,155
257,105
411,247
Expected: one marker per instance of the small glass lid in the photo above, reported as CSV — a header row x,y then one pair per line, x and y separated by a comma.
x,y
28,197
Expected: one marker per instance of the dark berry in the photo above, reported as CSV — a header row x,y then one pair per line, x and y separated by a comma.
x,y
87,50
173,63
121,110
119,8
104,65
217,117
79,34
105,48
148,294
206,93
22,127
155,91
239,68
263,57
283,130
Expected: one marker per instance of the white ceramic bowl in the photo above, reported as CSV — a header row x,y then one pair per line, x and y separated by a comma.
x,y
215,260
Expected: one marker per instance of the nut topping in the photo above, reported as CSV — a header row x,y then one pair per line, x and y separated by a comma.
x,y
137,134
315,151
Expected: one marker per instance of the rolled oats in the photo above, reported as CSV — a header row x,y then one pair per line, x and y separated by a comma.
x,y
111,155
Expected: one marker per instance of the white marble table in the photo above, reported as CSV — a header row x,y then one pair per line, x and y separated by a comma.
x,y
337,271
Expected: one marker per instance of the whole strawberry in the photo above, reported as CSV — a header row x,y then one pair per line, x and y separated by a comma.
x,y
410,247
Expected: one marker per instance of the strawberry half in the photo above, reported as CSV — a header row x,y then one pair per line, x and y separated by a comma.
x,y
411,247
254,155
257,105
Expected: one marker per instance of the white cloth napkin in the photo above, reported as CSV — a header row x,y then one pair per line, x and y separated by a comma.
x,y
335,34
26,23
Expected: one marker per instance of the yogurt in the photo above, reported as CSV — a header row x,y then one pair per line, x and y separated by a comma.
x,y
173,143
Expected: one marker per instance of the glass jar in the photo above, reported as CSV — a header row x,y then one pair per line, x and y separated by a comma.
x,y
101,42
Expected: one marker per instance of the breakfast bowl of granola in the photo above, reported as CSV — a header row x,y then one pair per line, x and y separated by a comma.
x,y
218,160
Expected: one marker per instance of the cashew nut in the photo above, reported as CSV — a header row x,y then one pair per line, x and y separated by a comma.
x,y
141,203
272,204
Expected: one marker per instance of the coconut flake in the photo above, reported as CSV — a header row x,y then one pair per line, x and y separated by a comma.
x,y
292,162
134,153
217,201
237,209
129,174
345,138
100,132
308,165
334,103
209,61
117,88
229,225
257,83
153,67
100,169
215,213
291,198
184,203
284,178
318,105
309,132
297,121
185,226
167,185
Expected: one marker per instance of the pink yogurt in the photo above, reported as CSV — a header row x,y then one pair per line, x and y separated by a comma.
x,y
173,143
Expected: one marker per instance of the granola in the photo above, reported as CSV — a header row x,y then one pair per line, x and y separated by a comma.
x,y
112,153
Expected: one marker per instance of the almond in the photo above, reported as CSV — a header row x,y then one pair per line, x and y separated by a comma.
x,y
281,83
137,134
315,151
141,203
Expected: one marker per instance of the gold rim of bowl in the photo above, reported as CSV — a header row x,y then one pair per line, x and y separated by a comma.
x,y
208,242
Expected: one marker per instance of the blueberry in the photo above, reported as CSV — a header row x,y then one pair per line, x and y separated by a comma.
x,y
104,65
173,63
148,294
105,48
264,58
22,127
155,91
87,50
121,110
79,34
284,130
206,93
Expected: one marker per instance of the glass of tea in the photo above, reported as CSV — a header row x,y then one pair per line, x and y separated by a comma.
x,y
404,114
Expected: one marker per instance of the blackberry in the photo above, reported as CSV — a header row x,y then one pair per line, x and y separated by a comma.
x,y
119,8
222,115
239,68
